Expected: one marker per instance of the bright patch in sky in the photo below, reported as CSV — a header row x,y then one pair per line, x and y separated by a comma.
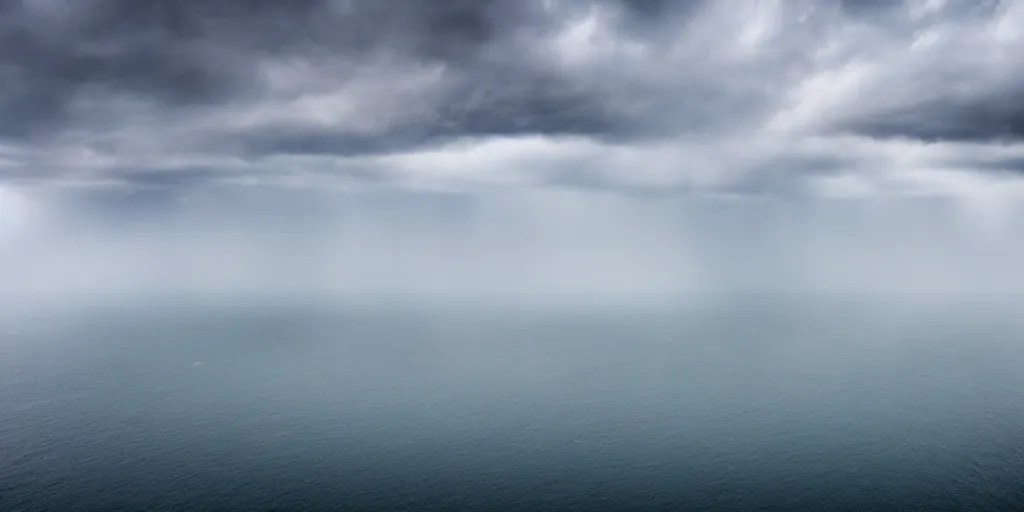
x,y
12,212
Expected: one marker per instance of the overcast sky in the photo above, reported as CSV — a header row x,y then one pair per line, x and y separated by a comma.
x,y
415,117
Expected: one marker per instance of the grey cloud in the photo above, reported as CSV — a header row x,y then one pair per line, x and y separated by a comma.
x,y
484,103
498,102
518,87
167,177
995,118
994,164
277,141
53,59
946,74
183,54
645,17
896,11
157,94
1015,165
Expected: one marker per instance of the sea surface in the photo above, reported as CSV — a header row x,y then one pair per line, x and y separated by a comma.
x,y
768,403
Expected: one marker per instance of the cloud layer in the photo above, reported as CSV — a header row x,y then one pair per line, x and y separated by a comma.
x,y
756,97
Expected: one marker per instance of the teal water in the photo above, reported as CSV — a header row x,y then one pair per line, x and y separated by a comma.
x,y
768,404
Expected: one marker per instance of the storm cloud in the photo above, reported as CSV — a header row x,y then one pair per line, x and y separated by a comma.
x,y
260,89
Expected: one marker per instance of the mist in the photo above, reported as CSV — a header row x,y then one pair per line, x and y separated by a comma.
x,y
537,246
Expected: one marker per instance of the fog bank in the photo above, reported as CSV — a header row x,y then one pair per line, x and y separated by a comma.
x,y
530,246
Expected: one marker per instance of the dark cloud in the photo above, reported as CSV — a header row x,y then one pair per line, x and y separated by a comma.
x,y
930,82
167,177
54,59
1014,165
321,142
489,103
149,92
642,15
519,100
896,11
871,7
973,119
182,53
993,164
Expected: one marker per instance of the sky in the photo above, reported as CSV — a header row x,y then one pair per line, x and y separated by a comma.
x,y
523,147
